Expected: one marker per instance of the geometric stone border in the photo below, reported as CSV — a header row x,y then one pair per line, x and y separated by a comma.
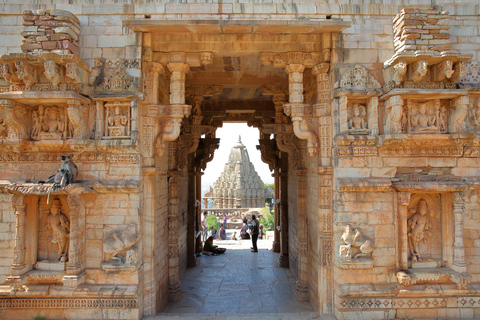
x,y
68,303
403,303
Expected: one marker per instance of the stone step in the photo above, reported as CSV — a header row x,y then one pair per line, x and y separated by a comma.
x,y
235,316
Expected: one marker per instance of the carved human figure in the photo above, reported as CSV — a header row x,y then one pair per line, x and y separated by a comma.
x,y
58,223
52,72
3,127
443,119
36,127
357,123
356,244
419,225
422,122
53,127
117,123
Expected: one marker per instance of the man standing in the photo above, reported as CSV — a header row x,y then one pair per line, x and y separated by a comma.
x,y
255,230
204,226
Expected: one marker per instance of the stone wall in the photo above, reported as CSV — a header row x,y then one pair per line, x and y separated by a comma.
x,y
7,236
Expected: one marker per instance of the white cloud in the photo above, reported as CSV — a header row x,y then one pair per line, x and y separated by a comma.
x,y
228,135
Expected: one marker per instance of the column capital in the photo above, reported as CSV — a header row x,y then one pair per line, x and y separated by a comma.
x,y
294,67
320,68
178,67
403,198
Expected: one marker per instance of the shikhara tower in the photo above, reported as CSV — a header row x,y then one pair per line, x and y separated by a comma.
x,y
239,185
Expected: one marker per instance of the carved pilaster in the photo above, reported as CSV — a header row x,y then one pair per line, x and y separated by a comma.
x,y
372,113
174,290
99,120
78,116
153,70
459,263
74,276
14,116
403,200
19,265
343,114
177,82
302,255
276,233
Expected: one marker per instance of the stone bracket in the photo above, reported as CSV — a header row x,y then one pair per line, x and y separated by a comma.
x,y
303,128
169,118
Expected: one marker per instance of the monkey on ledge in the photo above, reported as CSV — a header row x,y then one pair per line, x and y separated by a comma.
x,y
66,174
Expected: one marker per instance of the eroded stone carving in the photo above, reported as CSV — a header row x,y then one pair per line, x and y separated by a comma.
x,y
356,244
456,121
119,246
394,107
358,78
357,121
47,124
117,80
419,70
27,73
53,72
399,71
117,121
59,225
419,226
423,117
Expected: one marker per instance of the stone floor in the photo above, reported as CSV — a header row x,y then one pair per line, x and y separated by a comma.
x,y
239,285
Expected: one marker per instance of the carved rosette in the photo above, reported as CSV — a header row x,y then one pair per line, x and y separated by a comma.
x,y
78,116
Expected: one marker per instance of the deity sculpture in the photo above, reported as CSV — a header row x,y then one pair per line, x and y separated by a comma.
x,y
443,119
119,245
52,128
58,223
117,123
357,123
3,128
419,225
421,122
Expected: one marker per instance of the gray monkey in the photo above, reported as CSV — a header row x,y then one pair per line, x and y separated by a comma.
x,y
66,174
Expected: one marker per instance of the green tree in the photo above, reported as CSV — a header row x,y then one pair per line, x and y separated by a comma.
x,y
271,185
212,222
267,220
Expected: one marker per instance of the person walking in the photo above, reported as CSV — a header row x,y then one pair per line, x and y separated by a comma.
x,y
255,229
204,226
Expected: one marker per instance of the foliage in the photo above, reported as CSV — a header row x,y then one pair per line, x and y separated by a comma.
x,y
39,318
212,222
268,219
271,185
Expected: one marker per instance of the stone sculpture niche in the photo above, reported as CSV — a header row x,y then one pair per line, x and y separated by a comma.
x,y
54,236
117,119
357,119
424,231
119,247
49,123
425,117
356,252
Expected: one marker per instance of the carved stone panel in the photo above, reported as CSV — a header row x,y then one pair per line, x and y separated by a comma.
x,y
117,119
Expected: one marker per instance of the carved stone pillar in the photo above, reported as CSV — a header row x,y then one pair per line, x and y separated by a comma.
x,y
19,265
343,114
295,82
78,116
134,119
276,233
403,200
99,120
198,212
177,82
279,101
283,259
191,220
74,264
372,112
302,282
153,70
174,290
459,263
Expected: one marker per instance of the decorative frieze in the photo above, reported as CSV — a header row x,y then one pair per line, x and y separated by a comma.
x,y
100,303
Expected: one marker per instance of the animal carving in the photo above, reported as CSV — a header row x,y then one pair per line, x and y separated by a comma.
x,y
117,246
356,244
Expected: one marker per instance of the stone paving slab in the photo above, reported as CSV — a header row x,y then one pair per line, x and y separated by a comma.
x,y
239,284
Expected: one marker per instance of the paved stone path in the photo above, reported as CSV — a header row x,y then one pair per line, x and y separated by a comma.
x,y
239,284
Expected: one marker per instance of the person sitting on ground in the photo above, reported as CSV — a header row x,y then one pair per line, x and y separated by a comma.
x,y
211,233
234,236
222,233
209,247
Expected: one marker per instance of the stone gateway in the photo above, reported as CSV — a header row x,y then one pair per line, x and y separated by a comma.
x,y
368,116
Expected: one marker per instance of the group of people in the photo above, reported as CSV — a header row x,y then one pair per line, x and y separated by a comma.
x,y
253,225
